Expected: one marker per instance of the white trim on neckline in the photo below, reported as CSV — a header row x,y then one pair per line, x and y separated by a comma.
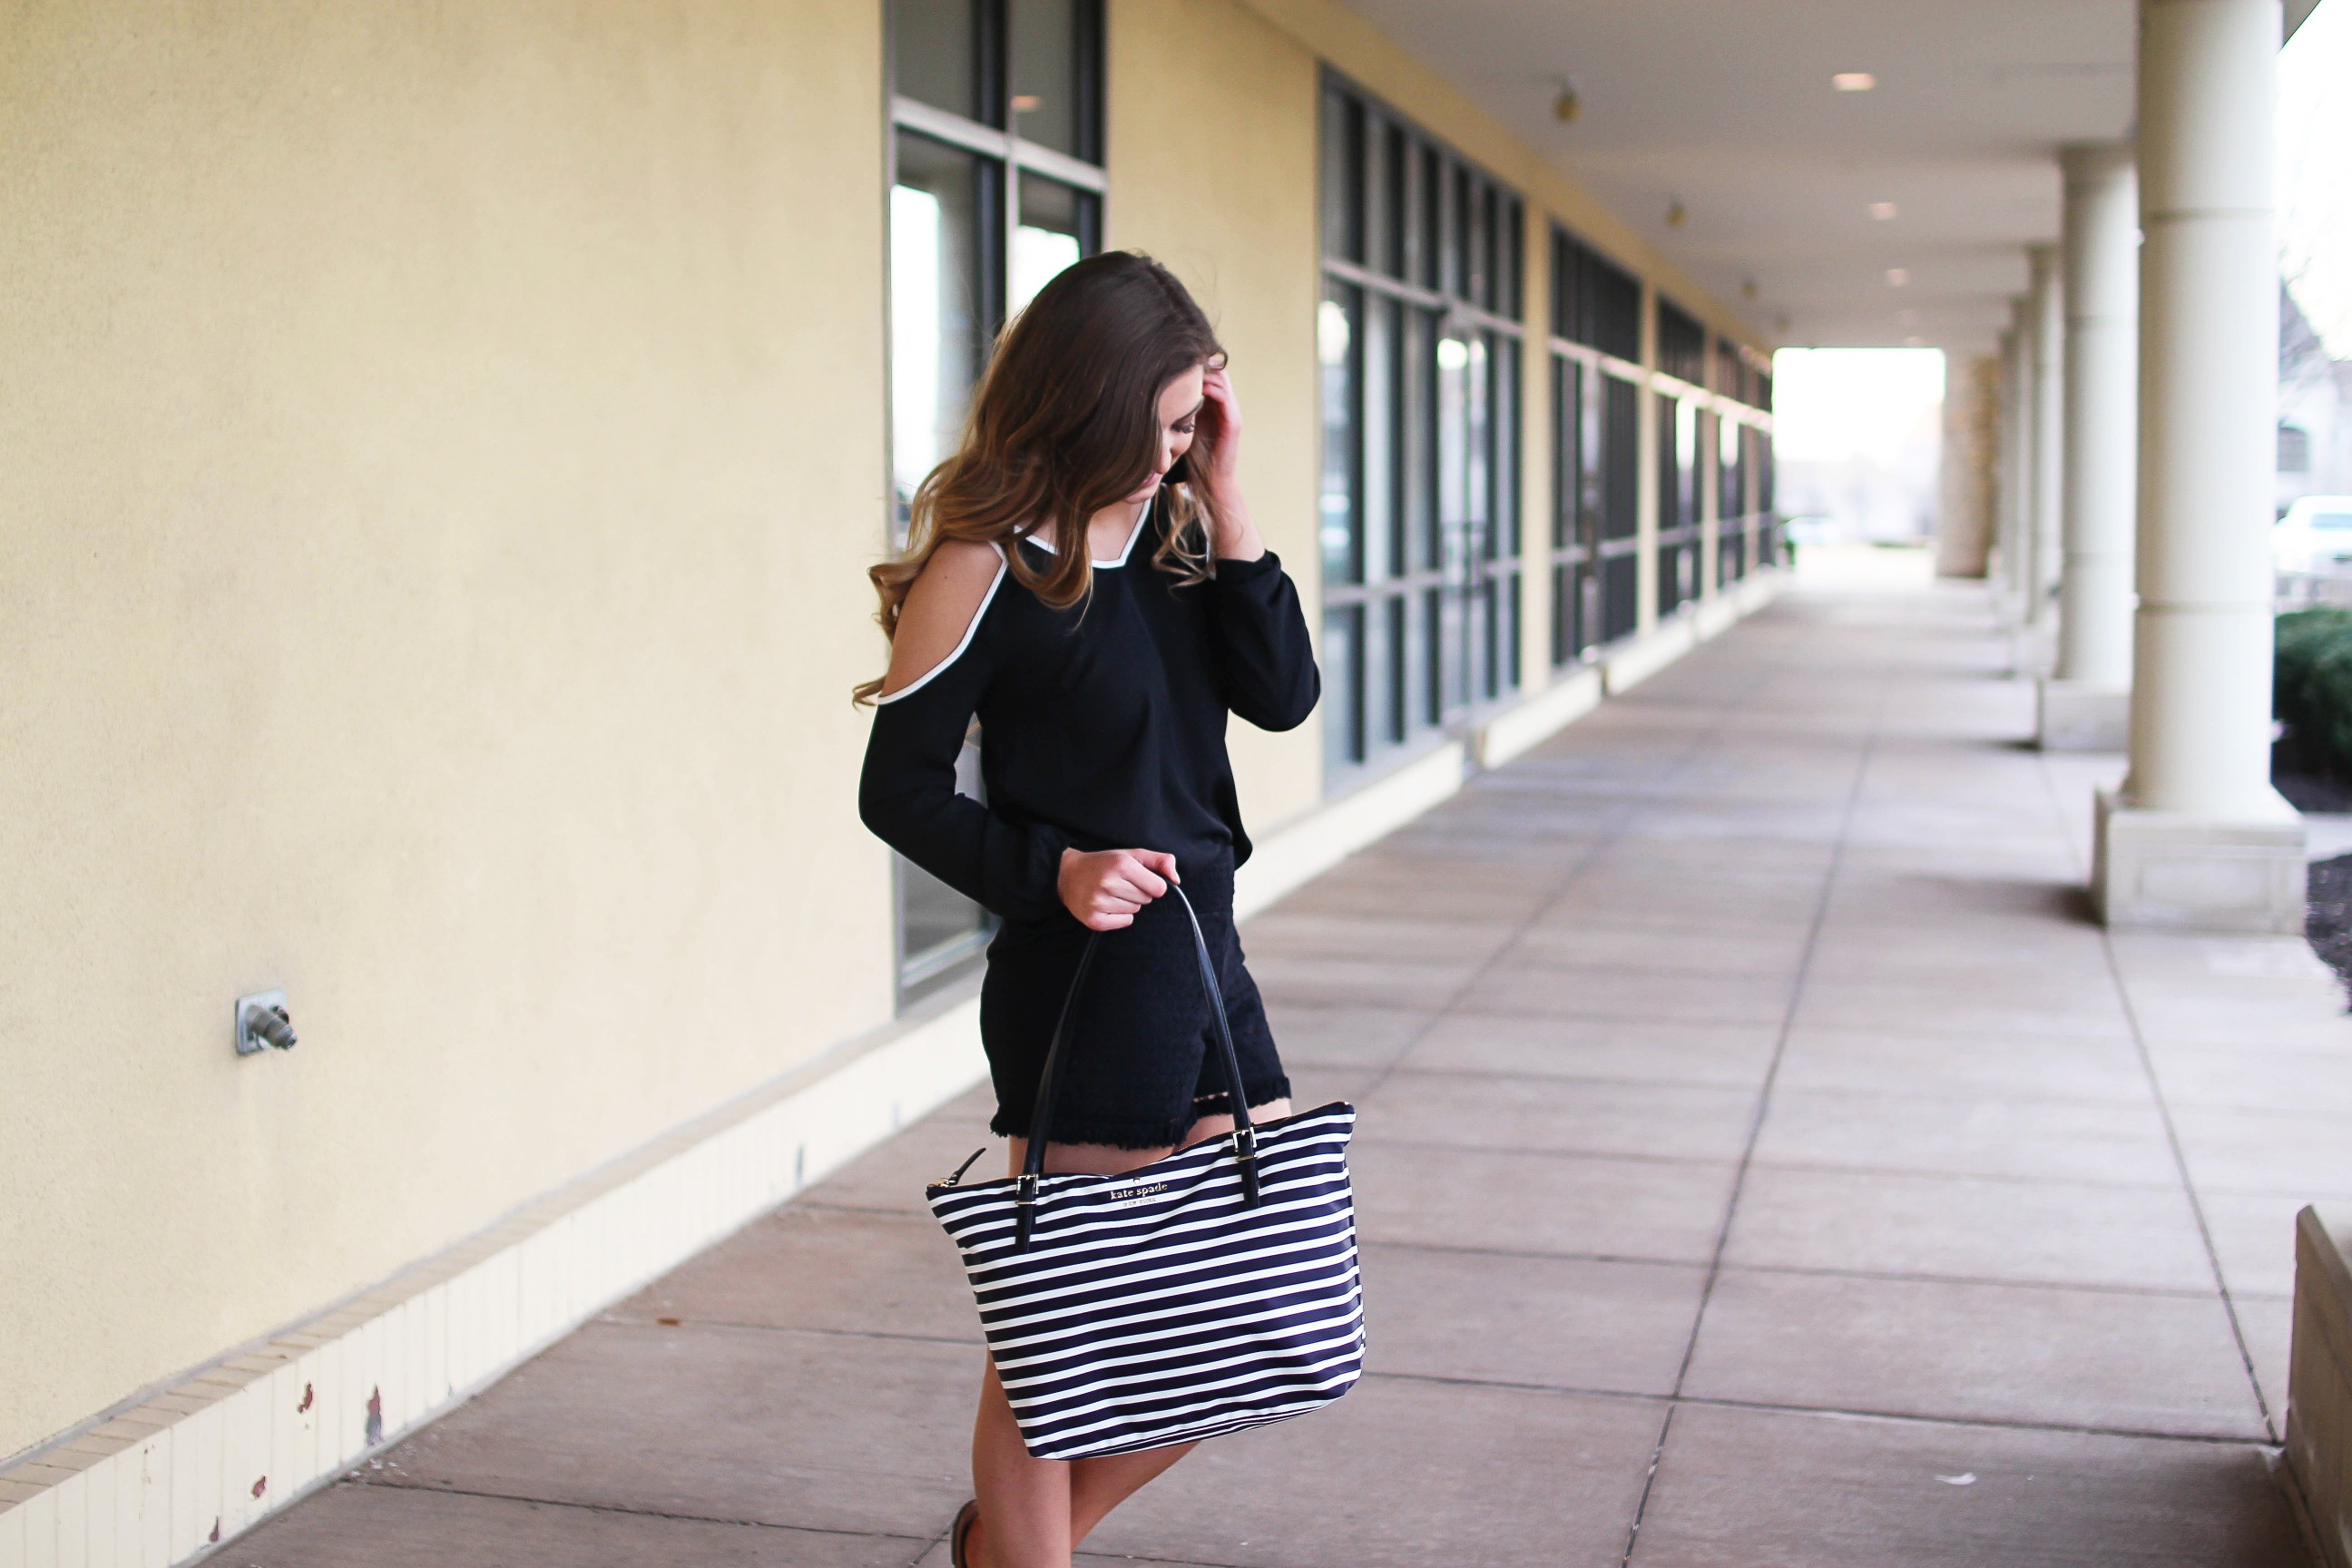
x,y
1142,522
970,632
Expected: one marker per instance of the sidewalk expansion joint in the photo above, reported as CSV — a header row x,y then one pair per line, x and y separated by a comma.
x,y
381,1484
1862,756
2171,1131
1833,1412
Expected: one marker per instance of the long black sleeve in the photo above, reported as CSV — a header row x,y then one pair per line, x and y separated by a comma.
x,y
1265,665
907,795
1102,726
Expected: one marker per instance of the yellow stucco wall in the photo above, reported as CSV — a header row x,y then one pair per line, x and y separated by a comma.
x,y
424,427
438,452
1190,84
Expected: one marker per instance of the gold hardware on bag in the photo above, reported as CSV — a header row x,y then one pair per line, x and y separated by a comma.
x,y
960,1170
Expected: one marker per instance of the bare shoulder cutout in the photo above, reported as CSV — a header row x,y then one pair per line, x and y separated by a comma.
x,y
941,613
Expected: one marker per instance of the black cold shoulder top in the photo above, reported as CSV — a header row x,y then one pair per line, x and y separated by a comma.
x,y
1104,724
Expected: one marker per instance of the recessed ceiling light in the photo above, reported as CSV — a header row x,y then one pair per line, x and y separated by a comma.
x,y
1882,211
1897,277
1854,82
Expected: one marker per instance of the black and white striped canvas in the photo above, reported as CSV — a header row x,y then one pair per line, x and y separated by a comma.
x,y
1154,1307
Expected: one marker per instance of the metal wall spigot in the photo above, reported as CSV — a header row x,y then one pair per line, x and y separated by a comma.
x,y
262,1021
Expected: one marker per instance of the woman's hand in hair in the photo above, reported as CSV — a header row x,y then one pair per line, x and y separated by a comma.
x,y
1103,890
1217,466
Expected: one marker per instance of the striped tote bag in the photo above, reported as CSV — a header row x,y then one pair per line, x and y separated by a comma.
x,y
1213,1289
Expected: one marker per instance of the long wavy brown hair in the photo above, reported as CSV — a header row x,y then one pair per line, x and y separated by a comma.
x,y
1067,422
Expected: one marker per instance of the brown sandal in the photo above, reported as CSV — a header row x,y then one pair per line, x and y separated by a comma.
x,y
961,1532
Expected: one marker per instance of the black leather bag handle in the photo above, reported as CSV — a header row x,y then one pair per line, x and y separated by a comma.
x,y
1033,1166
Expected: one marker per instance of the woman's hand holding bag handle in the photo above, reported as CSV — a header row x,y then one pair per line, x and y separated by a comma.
x,y
1245,1135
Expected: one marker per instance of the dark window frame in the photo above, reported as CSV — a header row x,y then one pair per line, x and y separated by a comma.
x,y
1732,561
1596,522
1682,345
1419,248
1595,302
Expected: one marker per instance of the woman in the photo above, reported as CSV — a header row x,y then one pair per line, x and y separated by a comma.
x,y
1084,578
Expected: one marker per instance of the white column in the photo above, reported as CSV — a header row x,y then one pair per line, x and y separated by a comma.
x,y
2197,838
2016,464
1965,488
2046,336
2084,703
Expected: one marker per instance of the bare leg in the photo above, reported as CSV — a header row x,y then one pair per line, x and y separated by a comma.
x,y
1217,1125
1034,1512
1098,1486
1024,1502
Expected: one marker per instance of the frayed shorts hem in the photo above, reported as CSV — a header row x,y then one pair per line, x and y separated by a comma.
x,y
1135,1136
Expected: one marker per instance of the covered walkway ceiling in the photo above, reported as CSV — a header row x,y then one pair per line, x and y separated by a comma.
x,y
1727,107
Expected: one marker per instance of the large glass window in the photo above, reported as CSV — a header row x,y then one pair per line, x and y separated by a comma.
x,y
1576,512
1682,345
1682,441
1730,376
996,185
942,307
1678,501
1756,460
1736,378
1596,489
1420,341
1621,510
1057,68
1731,499
1057,225
939,56
1596,302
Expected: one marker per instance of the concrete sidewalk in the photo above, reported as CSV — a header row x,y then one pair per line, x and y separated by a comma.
x,y
1763,1161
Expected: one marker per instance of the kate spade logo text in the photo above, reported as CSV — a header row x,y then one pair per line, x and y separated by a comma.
x,y
1124,1197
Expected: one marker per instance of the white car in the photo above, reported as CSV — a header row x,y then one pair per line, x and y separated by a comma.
x,y
2314,538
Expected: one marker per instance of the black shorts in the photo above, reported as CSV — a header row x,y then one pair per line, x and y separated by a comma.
x,y
1141,1064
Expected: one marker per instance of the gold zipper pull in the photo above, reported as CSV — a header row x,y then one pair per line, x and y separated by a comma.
x,y
960,1170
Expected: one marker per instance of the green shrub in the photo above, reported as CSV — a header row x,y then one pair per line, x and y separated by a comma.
x,y
2312,692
